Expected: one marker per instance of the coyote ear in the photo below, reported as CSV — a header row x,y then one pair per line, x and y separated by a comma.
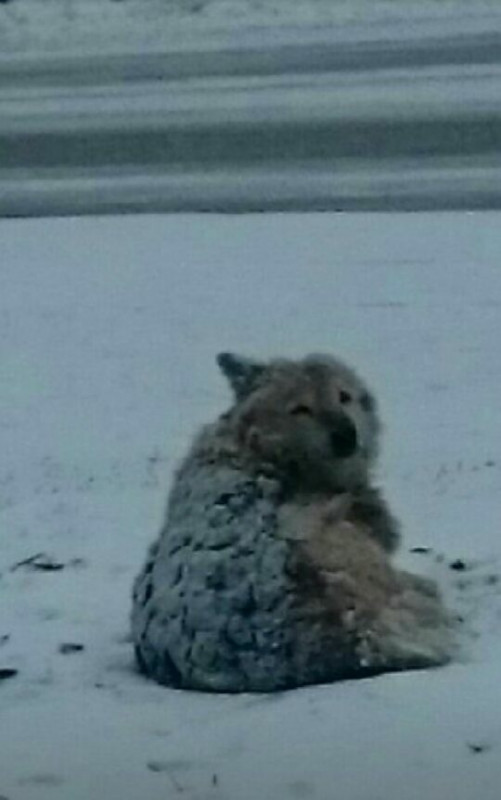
x,y
241,372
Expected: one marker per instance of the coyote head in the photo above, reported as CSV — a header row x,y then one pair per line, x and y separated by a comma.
x,y
312,420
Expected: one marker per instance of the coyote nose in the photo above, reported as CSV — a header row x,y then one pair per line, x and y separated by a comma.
x,y
344,438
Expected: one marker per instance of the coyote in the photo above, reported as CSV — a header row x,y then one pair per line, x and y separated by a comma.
x,y
273,567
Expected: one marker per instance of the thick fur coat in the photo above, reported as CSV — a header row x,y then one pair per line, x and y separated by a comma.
x,y
273,567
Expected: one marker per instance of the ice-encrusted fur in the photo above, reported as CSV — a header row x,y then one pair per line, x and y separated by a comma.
x,y
272,569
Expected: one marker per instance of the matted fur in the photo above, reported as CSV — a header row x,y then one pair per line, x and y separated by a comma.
x,y
272,569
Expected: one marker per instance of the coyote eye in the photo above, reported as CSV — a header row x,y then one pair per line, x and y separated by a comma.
x,y
301,411
344,397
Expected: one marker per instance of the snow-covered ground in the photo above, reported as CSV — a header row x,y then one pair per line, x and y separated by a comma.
x,y
69,25
108,330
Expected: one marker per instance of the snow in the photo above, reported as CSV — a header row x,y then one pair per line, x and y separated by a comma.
x,y
162,105
38,26
108,331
